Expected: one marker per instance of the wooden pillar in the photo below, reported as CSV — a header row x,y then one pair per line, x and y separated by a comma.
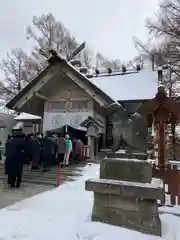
x,y
104,141
96,145
106,132
92,134
161,143
91,147
173,126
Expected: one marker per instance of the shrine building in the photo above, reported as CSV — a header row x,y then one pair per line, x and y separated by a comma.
x,y
64,96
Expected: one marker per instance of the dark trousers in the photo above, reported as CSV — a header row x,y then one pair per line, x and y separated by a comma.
x,y
54,158
60,158
47,160
15,175
14,180
35,161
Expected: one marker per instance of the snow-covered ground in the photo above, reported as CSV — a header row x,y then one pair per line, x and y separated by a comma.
x,y
65,213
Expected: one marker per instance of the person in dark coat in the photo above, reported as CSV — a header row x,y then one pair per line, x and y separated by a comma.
x,y
27,149
7,148
78,150
61,150
39,138
15,156
35,152
54,148
47,153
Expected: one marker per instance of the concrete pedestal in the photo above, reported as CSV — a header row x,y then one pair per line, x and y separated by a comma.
x,y
123,196
120,154
126,204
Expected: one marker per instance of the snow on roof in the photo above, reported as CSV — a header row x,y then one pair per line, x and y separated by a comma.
x,y
132,86
18,125
26,116
5,110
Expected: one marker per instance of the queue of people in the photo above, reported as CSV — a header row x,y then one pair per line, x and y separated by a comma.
x,y
40,152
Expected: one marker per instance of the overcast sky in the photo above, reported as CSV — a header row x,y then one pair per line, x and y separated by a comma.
x,y
106,25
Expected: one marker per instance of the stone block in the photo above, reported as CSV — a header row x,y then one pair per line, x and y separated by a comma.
x,y
132,170
114,201
125,189
119,154
140,156
143,206
129,219
148,207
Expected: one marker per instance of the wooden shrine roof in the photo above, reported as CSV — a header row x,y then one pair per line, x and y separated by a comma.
x,y
171,105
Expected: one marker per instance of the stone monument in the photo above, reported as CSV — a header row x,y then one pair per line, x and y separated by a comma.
x,y
124,196
133,130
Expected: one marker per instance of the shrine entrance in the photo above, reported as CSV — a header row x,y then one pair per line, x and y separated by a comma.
x,y
73,132
161,114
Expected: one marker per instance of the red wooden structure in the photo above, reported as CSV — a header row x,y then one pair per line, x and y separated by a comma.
x,y
85,152
162,111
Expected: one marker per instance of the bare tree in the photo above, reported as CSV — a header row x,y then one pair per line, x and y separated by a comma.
x,y
18,69
166,29
46,32
86,57
166,22
142,60
103,63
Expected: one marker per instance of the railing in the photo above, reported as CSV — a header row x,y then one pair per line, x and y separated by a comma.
x,y
170,176
172,163
85,151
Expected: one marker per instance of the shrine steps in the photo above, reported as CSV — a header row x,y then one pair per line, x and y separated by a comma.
x,y
49,177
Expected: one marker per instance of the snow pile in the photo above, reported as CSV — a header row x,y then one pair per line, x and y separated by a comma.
x,y
65,213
